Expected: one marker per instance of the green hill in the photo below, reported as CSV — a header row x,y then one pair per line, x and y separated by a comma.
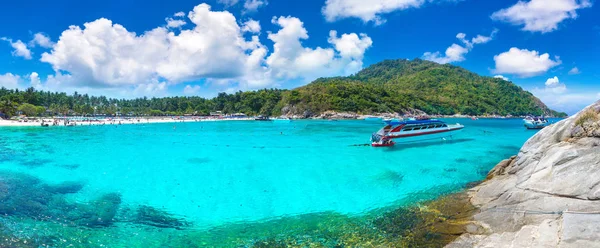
x,y
406,86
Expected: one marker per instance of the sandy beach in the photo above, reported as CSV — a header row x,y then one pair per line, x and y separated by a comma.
x,y
55,122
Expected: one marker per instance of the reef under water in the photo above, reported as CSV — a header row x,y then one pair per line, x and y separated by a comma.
x,y
38,214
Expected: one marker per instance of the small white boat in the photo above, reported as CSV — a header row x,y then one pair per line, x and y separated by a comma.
x,y
373,118
531,122
413,130
282,119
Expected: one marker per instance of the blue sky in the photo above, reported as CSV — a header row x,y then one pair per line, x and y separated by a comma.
x,y
229,45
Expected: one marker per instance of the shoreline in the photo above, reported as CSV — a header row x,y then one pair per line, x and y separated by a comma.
x,y
157,120
129,121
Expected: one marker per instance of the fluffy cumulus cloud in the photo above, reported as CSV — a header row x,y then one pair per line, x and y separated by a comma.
x,y
290,59
253,5
174,23
574,71
42,40
20,48
34,79
554,85
105,56
191,90
524,63
366,10
251,26
157,89
502,77
541,15
456,53
557,96
9,81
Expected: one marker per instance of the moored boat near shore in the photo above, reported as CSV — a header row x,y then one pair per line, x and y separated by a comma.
x,y
531,122
413,130
282,119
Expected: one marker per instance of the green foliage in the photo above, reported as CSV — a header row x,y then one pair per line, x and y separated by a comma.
x,y
28,109
263,102
401,86
588,116
39,110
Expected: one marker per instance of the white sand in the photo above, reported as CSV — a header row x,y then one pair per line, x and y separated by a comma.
x,y
116,121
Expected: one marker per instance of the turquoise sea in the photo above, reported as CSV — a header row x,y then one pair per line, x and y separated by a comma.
x,y
203,176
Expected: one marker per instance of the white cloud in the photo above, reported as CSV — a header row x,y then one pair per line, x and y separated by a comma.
x,y
554,85
350,45
524,63
105,57
34,80
558,97
174,23
107,54
291,60
21,49
228,3
42,40
541,15
253,5
574,71
9,81
191,90
179,14
551,82
156,89
366,10
456,53
251,26
502,77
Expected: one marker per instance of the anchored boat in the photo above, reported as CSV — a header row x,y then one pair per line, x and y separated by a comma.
x,y
413,130
531,122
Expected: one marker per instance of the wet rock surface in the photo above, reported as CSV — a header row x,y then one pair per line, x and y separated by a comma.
x,y
546,196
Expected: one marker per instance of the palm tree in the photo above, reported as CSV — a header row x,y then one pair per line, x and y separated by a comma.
x,y
7,106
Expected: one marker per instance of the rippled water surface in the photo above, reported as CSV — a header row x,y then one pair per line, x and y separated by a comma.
x,y
218,175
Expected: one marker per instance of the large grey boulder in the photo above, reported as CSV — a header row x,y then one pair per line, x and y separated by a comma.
x,y
546,196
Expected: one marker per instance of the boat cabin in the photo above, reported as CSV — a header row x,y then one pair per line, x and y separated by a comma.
x,y
421,127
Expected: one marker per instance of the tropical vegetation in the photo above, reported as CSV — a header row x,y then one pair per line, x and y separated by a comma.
x,y
400,86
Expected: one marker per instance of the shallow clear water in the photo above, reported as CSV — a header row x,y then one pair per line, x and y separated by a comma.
x,y
214,173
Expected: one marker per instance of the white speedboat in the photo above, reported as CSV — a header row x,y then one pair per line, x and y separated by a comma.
x,y
413,130
282,119
373,118
531,122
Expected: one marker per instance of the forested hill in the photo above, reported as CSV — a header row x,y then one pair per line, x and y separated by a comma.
x,y
406,86
400,86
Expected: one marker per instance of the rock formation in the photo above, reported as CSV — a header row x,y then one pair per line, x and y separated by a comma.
x,y
546,196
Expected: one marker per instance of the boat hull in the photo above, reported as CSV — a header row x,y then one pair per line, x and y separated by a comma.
x,y
530,125
376,144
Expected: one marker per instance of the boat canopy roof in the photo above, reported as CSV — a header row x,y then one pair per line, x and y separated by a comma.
x,y
412,122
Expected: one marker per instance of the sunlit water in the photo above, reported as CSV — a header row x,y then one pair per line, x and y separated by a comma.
x,y
214,173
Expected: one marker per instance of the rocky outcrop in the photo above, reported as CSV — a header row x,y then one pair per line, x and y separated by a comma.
x,y
338,115
546,196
